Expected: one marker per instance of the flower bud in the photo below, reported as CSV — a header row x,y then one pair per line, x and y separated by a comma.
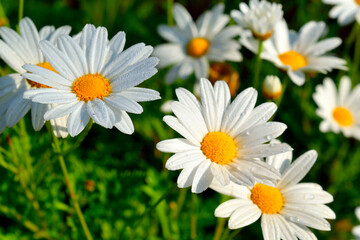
x,y
271,88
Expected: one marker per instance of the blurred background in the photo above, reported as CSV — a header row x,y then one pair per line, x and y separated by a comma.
x,y
121,183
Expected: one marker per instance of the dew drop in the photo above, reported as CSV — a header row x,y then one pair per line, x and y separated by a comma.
x,y
294,219
309,196
268,137
247,133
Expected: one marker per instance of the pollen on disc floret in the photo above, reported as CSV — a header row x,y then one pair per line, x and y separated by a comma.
x,y
267,198
219,147
91,86
294,59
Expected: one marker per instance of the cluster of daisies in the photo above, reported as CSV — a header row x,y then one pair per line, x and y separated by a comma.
x,y
227,146
231,147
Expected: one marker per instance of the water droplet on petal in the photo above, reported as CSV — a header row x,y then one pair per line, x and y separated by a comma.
x,y
309,196
294,219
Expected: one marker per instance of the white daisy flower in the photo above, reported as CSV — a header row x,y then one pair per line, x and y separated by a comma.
x,y
356,229
193,45
286,209
340,111
297,53
344,10
222,140
96,80
17,50
260,17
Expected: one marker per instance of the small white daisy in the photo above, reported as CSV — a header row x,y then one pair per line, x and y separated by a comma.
x,y
222,140
297,53
344,10
193,45
340,110
286,209
356,229
96,80
17,50
260,17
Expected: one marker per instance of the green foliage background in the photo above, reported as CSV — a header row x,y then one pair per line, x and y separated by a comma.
x,y
128,172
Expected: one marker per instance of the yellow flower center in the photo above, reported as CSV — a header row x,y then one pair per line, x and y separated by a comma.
x,y
357,2
293,59
219,147
343,116
267,198
39,85
197,47
91,86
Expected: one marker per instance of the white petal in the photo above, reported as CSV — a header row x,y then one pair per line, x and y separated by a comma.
x,y
189,158
58,60
209,105
261,133
54,97
124,103
97,51
117,43
186,177
239,110
259,115
202,178
232,189
263,150
37,115
48,76
19,107
244,215
297,77
269,227
68,45
141,94
298,169
31,36
174,123
226,209
125,125
62,110
101,113
306,219
175,145
78,119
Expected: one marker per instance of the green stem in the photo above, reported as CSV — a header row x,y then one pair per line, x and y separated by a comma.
x,y
233,234
169,6
305,96
57,149
24,142
219,228
193,221
180,202
258,65
356,57
21,9
220,221
20,173
351,38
